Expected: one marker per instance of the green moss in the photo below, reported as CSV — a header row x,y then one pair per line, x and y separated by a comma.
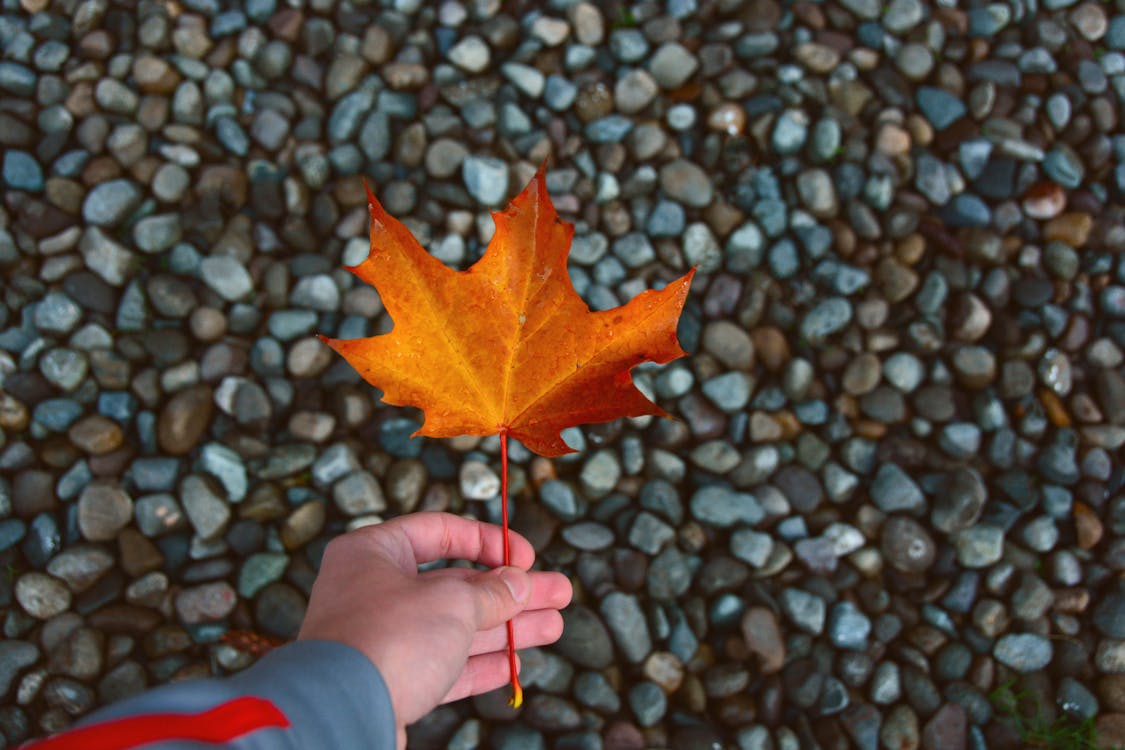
x,y
1023,712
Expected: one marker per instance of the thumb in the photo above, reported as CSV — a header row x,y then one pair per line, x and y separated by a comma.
x,y
501,594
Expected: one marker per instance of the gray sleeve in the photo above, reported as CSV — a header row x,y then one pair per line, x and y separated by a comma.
x,y
331,694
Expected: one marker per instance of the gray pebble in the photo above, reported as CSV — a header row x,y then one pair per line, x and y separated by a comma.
x,y
1023,652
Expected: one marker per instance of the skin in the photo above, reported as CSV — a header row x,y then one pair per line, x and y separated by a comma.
x,y
435,636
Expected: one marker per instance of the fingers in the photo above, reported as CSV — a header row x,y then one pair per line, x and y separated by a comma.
x,y
549,590
481,674
498,596
437,536
532,628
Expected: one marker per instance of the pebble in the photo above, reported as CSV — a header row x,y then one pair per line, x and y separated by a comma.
x,y
763,636
907,545
471,54
585,639
15,656
672,65
848,628
103,510
626,622
961,502
979,546
184,419
22,172
226,277
722,508
939,106
111,202
207,602
893,490
486,179
1023,652
807,611
206,510
685,182
874,388
42,596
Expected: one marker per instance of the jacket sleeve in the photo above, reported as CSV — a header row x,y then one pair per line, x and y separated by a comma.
x,y
303,696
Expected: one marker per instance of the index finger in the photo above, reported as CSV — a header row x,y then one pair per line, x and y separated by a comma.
x,y
436,536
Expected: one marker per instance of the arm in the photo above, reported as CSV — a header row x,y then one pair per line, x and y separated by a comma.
x,y
381,645
310,694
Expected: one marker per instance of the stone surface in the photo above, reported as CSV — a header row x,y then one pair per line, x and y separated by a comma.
x,y
892,479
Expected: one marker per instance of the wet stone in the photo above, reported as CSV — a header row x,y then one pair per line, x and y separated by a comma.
x,y
648,703
979,546
848,628
685,182
207,602
1023,652
15,656
42,596
907,545
669,575
590,536
80,566
279,610
893,490
486,179
207,512
720,507
103,510
626,621
111,202
807,611
828,317
585,639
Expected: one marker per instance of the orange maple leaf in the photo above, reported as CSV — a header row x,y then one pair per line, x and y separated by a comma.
x,y
507,346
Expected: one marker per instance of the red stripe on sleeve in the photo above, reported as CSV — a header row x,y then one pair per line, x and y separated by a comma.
x,y
223,723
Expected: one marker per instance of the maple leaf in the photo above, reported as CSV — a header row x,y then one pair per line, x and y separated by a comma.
x,y
507,346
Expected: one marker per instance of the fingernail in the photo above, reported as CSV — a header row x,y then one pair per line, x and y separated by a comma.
x,y
518,583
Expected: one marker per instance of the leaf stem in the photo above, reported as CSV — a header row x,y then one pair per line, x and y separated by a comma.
x,y
517,690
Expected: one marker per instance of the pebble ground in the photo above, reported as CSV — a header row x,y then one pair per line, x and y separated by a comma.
x,y
891,514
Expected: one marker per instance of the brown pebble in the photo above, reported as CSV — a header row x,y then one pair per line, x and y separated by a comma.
x,y
138,554
1072,228
623,736
124,618
947,729
96,434
1072,601
1110,730
33,492
1087,526
771,347
154,76
1111,690
727,118
1054,407
14,415
762,634
184,420
303,524
892,140
104,509
665,669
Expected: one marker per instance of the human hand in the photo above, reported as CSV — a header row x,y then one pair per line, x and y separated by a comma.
x,y
435,636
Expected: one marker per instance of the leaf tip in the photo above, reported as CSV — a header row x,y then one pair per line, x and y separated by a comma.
x,y
371,200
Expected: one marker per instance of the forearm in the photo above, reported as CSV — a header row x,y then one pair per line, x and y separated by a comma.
x,y
313,694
